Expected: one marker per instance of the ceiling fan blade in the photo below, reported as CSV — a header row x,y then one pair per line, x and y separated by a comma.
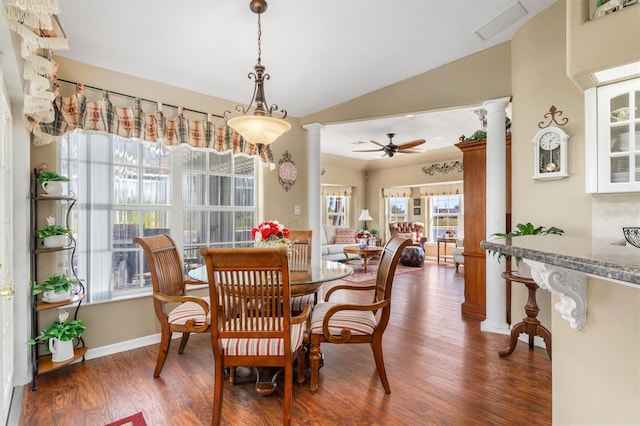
x,y
410,151
366,150
411,144
378,143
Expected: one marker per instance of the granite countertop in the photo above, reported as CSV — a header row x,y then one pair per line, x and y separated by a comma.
x,y
606,258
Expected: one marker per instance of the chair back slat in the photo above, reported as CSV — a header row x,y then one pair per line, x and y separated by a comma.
x,y
387,268
165,264
300,253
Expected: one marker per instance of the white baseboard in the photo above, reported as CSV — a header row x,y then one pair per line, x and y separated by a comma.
x,y
126,345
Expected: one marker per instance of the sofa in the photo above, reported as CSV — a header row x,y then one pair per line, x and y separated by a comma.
x,y
412,230
334,239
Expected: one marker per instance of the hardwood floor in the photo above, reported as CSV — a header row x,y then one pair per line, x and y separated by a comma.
x,y
442,370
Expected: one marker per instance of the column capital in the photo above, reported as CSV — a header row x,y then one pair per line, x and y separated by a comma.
x,y
493,105
314,127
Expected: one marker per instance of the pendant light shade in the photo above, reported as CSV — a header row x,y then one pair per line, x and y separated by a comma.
x,y
259,129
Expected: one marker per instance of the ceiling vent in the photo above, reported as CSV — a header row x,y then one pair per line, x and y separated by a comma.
x,y
501,21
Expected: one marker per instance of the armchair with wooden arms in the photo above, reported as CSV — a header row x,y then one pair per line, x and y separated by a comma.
x,y
260,330
191,315
357,323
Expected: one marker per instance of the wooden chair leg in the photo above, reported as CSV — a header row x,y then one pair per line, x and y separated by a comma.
x,y
288,389
165,342
218,386
183,342
302,352
314,361
232,375
376,346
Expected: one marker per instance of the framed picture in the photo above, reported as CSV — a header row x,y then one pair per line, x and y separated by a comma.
x,y
416,211
416,202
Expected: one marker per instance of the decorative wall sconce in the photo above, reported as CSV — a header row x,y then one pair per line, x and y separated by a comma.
x,y
287,172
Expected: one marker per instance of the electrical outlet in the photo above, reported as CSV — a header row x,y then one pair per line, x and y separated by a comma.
x,y
296,210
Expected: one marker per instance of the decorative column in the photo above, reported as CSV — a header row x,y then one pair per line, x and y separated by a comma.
x,y
314,202
496,214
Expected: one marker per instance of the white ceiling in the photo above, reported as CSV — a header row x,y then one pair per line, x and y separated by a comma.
x,y
318,54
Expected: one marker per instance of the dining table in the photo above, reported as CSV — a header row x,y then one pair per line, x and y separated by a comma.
x,y
301,283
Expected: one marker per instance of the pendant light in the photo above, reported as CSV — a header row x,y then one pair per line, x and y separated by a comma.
x,y
259,128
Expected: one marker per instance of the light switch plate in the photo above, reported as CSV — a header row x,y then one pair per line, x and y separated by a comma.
x,y
296,210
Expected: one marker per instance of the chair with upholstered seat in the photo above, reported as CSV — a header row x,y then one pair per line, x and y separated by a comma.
x,y
260,330
191,315
355,322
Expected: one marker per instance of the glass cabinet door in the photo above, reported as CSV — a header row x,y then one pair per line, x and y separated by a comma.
x,y
619,137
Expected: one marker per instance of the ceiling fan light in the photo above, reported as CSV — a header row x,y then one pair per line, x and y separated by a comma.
x,y
257,129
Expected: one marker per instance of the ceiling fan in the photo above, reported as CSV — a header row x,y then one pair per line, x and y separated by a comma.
x,y
390,149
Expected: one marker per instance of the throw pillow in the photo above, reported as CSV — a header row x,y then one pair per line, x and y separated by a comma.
x,y
345,236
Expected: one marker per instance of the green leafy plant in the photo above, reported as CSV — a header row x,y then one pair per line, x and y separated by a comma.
x,y
525,229
529,229
64,331
55,283
374,232
47,175
51,230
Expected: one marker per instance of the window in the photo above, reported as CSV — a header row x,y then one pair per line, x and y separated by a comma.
x,y
336,210
128,188
446,215
397,209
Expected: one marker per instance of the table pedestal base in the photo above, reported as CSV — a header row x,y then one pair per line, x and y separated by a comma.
x,y
530,324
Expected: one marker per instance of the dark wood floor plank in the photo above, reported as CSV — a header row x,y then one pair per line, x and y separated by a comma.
x,y
442,370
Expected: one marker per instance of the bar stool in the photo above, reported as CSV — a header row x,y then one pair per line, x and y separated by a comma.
x,y
530,324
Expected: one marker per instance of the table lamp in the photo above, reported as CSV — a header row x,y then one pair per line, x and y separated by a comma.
x,y
365,216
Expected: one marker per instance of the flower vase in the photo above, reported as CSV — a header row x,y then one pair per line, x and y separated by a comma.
x,y
363,243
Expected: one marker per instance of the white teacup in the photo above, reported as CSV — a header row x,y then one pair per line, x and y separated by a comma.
x,y
52,187
53,296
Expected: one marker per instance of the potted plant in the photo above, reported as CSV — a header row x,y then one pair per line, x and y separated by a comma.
x,y
51,175
50,181
526,229
60,337
55,288
53,235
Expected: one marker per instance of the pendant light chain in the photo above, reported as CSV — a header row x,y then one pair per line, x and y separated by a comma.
x,y
259,38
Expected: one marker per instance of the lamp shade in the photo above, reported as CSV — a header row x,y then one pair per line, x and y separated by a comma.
x,y
364,215
259,129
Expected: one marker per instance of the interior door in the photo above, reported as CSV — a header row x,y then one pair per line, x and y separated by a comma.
x,y
6,258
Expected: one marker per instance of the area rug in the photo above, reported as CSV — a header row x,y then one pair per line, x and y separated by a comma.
x,y
136,420
360,276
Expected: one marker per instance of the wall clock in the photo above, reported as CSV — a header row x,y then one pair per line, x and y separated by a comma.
x,y
550,153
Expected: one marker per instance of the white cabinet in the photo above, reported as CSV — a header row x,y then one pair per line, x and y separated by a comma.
x,y
612,138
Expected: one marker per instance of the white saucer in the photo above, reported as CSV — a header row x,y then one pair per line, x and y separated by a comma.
x,y
53,196
47,300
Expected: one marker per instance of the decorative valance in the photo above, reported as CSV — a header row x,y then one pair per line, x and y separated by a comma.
x,y
396,192
336,191
445,188
78,112
36,23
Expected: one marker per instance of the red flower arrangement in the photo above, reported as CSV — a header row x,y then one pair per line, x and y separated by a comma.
x,y
270,233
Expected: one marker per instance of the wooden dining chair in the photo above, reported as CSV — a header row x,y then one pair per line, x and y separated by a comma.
x,y
357,323
260,330
300,261
191,315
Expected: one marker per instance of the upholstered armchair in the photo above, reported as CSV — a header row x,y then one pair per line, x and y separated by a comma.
x,y
411,230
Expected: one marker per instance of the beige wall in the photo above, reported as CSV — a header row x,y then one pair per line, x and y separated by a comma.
x,y
596,372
